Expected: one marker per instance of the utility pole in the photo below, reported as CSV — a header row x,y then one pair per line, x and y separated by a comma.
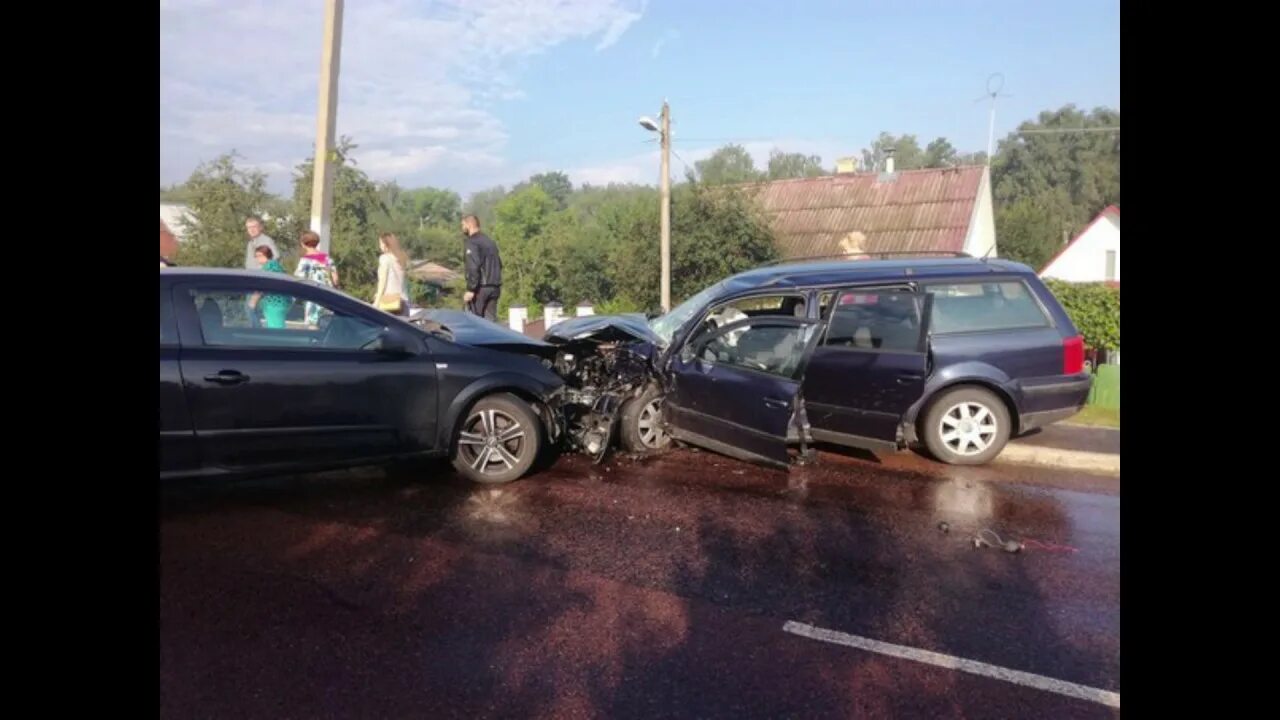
x,y
326,117
666,207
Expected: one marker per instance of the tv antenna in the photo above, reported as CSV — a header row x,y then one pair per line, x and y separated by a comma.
x,y
995,83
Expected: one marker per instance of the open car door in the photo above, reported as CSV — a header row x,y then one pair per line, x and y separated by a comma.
x,y
869,366
733,390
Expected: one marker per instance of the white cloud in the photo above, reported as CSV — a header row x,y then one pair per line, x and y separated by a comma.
x,y
243,75
662,41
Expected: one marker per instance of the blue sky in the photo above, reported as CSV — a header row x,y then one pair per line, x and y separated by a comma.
x,y
470,93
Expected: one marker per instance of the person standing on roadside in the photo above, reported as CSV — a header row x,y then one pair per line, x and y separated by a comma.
x,y
483,271
318,267
257,238
393,264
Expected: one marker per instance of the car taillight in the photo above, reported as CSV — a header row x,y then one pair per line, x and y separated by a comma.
x,y
1072,355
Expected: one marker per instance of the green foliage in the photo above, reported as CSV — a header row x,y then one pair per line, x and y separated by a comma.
x,y
907,154
783,165
360,213
425,207
729,165
939,154
1094,308
220,196
556,185
1026,232
617,306
1048,184
482,205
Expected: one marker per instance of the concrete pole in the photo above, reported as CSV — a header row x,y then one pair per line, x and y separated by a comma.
x,y
666,207
326,119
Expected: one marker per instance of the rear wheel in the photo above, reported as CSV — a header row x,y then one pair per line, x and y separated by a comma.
x,y
642,429
498,441
966,426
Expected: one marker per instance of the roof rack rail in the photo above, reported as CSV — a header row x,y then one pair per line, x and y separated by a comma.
x,y
878,255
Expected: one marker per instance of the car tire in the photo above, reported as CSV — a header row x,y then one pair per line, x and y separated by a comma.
x,y
497,440
966,426
642,431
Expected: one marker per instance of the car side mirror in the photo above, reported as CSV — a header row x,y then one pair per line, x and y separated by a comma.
x,y
394,341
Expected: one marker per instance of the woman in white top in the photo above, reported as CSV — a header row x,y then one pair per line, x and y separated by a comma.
x,y
392,267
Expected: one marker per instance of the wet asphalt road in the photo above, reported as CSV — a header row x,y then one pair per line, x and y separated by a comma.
x,y
646,588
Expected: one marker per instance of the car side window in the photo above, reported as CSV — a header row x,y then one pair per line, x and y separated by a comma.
x,y
978,307
775,349
265,319
785,305
886,320
168,330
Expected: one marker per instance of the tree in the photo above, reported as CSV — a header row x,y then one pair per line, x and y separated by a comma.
x,y
1079,172
793,165
528,267
906,156
482,204
220,196
715,232
428,206
939,154
1028,232
359,214
176,194
729,165
556,185
1069,176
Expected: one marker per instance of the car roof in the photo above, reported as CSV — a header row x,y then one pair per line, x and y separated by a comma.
x,y
833,272
171,274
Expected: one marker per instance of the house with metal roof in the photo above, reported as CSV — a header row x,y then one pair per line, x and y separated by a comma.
x,y
944,209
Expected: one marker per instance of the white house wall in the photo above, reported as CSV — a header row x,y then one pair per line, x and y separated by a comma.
x,y
981,238
1086,259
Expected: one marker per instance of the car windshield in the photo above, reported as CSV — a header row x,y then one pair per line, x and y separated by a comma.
x,y
666,325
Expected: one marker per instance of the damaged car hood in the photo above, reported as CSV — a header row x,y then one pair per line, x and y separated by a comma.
x,y
463,327
604,328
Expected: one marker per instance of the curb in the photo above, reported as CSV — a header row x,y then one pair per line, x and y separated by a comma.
x,y
1101,463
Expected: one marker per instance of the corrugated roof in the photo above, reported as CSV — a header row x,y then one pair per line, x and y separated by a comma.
x,y
431,272
913,210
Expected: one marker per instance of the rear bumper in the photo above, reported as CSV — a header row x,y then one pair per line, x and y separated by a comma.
x,y
1048,403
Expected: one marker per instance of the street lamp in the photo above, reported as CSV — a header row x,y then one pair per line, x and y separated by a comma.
x,y
664,133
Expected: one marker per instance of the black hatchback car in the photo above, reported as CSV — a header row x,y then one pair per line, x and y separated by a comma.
x,y
958,354
328,381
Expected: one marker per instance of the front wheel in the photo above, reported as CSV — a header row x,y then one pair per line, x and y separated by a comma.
x,y
498,441
642,430
966,426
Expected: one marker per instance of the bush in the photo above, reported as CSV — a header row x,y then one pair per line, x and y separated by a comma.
x,y
1095,310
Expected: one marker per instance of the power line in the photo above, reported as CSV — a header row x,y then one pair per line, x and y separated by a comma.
x,y
682,162
1068,130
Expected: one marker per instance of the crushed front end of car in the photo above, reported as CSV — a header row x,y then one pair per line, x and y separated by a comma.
x,y
605,362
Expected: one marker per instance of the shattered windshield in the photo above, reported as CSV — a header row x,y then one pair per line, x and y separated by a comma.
x,y
666,325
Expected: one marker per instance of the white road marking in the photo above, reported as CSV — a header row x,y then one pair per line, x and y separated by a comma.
x,y
1017,677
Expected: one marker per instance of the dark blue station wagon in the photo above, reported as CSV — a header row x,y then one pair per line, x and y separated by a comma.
x,y
955,354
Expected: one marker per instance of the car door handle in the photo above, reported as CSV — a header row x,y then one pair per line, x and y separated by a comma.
x,y
905,378
776,404
227,377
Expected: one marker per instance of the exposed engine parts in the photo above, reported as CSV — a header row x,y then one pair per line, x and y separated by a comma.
x,y
599,378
